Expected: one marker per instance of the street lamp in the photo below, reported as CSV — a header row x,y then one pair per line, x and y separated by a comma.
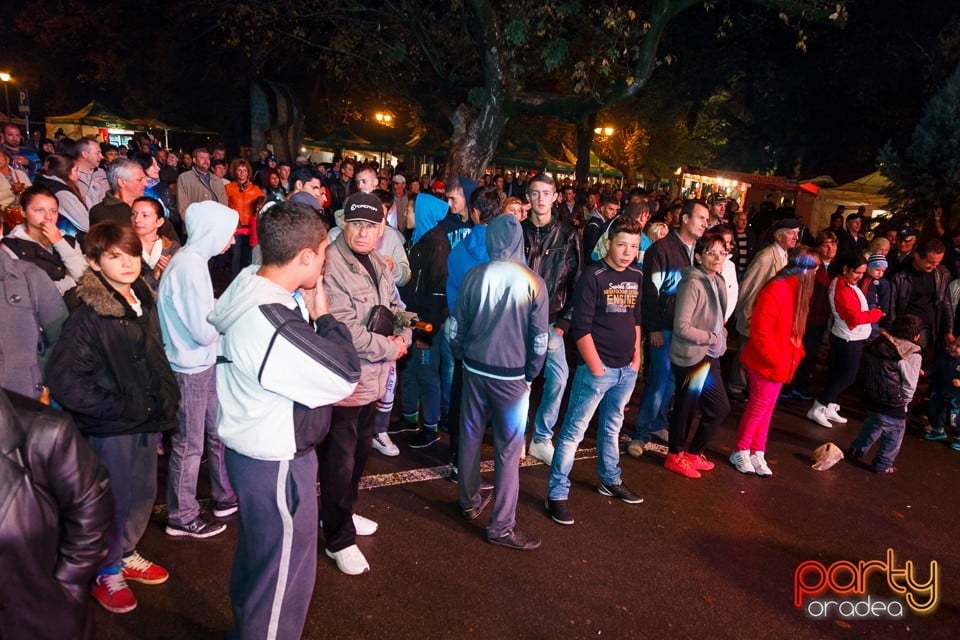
x,y
6,78
606,132
384,118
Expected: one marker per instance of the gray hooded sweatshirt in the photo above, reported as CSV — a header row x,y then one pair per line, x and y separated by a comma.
x,y
500,323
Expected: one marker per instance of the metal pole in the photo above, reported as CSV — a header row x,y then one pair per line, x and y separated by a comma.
x,y
6,93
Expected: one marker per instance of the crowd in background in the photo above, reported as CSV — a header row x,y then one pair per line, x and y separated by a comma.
x,y
110,258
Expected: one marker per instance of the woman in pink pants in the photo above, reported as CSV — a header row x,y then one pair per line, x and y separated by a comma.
x,y
772,353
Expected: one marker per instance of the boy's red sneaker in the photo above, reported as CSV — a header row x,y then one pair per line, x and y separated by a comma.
x,y
113,594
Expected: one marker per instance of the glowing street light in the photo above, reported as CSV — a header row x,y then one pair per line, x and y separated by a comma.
x,y
5,78
384,118
606,132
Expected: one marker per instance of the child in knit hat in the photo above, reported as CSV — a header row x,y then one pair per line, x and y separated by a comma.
x,y
875,288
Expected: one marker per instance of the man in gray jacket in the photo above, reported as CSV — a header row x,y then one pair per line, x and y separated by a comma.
x,y
501,303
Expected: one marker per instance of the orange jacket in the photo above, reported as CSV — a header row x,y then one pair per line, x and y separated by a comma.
x,y
244,202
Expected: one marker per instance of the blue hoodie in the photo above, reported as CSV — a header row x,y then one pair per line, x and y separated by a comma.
x,y
465,256
428,210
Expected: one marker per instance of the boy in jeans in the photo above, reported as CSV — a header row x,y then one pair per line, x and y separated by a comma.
x,y
890,369
606,328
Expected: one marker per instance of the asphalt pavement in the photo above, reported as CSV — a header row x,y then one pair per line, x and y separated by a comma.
x,y
716,557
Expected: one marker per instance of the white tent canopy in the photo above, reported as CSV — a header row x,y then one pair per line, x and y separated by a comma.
x,y
865,192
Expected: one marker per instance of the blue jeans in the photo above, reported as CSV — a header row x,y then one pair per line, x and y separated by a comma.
x,y
654,411
555,376
420,382
610,392
197,418
888,430
446,366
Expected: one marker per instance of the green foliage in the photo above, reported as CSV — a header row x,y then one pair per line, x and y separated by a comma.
x,y
929,170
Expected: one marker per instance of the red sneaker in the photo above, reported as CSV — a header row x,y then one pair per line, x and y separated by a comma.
x,y
136,568
678,463
113,594
699,462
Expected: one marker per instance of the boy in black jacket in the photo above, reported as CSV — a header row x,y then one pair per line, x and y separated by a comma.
x,y
110,371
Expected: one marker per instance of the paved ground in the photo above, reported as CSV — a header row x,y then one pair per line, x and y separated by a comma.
x,y
709,558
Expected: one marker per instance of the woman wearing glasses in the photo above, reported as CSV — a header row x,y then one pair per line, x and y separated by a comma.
x,y
699,339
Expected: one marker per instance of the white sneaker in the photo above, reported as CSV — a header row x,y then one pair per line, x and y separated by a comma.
x,y
364,526
818,413
383,444
741,460
542,451
833,415
760,464
350,560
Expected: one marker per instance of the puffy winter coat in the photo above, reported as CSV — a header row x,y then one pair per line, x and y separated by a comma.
x,y
109,368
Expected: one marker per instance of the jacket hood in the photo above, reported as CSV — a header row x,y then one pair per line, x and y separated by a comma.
x,y
505,239
94,291
475,244
209,227
246,292
904,348
468,186
428,210
306,198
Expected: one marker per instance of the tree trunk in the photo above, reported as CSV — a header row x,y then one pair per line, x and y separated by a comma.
x,y
584,142
475,138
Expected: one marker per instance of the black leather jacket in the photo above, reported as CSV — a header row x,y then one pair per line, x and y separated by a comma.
x,y
942,313
56,508
554,252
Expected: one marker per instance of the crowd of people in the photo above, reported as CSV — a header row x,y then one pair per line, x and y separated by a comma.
x,y
351,284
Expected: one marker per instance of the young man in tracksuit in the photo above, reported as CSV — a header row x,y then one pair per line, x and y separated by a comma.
x,y
500,303
284,361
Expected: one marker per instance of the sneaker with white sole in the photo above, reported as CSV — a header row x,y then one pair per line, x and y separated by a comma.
x,y
760,464
635,448
833,413
620,492
364,526
741,460
199,528
383,444
350,560
818,413
225,510
113,594
542,451
136,568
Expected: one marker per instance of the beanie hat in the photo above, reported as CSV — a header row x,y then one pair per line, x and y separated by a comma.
x,y
362,206
877,260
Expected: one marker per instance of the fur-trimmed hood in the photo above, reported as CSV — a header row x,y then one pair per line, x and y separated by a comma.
x,y
105,301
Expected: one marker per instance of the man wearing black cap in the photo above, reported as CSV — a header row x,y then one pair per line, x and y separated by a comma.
x,y
901,253
764,266
357,280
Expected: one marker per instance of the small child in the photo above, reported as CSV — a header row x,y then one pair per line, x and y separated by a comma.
x,y
944,392
876,289
890,369
606,328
